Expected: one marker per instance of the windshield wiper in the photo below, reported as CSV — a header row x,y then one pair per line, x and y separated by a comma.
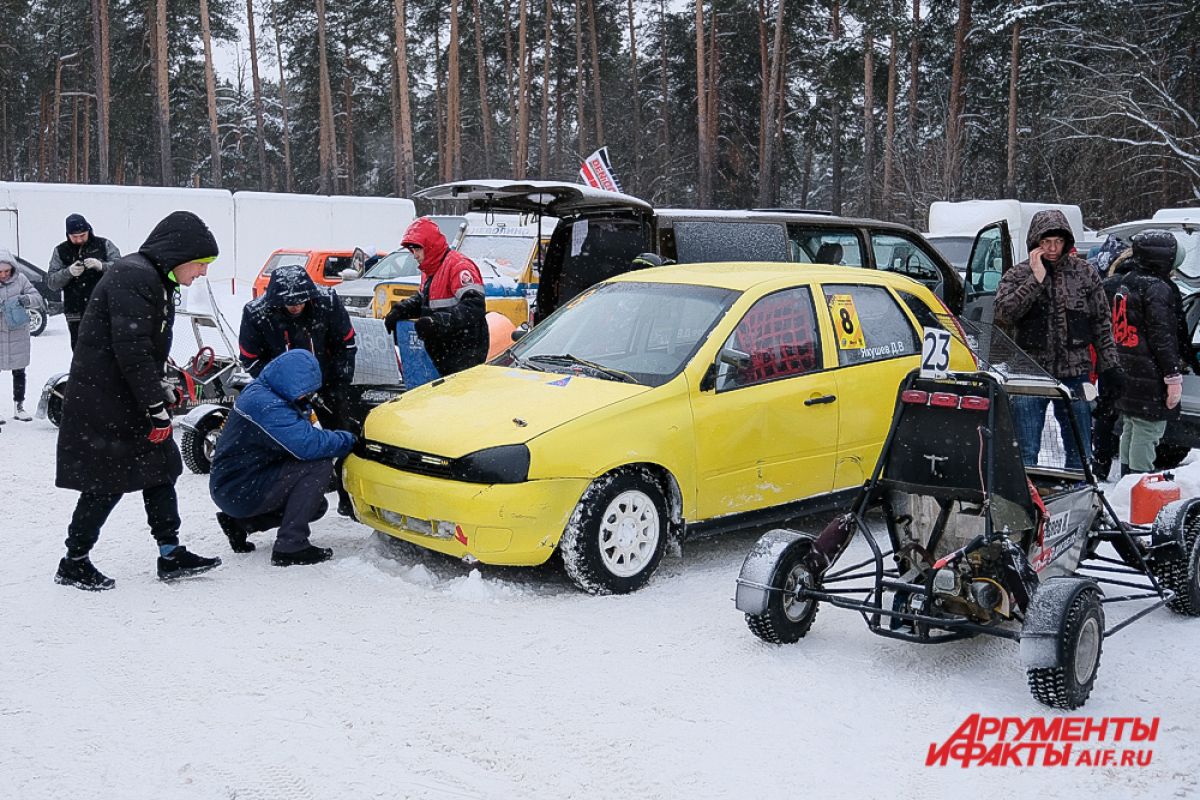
x,y
522,363
568,359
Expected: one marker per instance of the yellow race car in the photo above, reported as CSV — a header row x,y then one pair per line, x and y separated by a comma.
x,y
665,403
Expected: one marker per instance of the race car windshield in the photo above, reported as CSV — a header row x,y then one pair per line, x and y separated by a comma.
x,y
643,332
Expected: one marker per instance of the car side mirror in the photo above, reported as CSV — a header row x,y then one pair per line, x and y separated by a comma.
x,y
349,274
519,332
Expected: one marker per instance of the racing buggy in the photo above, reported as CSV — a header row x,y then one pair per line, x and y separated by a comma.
x,y
205,374
979,543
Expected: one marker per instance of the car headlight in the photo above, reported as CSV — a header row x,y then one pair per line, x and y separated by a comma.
x,y
505,464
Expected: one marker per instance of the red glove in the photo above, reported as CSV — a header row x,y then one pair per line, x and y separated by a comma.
x,y
160,424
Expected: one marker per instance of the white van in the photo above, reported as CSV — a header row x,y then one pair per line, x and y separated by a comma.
x,y
967,217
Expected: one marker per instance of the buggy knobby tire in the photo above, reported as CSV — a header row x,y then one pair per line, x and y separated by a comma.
x,y
1181,574
787,618
617,534
1170,456
197,446
1068,684
37,321
54,403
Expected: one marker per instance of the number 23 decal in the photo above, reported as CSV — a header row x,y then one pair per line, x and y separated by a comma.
x,y
935,352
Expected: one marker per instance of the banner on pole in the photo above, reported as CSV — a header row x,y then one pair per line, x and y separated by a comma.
x,y
597,171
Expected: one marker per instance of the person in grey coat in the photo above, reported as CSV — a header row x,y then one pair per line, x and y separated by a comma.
x,y
75,268
17,295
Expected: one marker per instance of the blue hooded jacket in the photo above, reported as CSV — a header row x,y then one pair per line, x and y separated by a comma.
x,y
267,429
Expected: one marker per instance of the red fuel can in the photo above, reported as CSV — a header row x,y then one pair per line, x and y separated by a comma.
x,y
1149,495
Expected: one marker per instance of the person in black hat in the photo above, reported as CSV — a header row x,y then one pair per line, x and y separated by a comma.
x,y
75,268
116,430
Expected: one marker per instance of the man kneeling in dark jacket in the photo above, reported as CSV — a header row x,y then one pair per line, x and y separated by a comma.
x,y
272,465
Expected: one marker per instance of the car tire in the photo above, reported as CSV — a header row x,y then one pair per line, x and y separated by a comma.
x,y
37,321
617,533
1170,456
198,445
787,619
1068,683
1181,573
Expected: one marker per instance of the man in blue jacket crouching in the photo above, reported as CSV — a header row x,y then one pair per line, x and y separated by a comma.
x,y
272,465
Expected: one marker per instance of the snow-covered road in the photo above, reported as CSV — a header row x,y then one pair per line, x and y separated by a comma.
x,y
389,672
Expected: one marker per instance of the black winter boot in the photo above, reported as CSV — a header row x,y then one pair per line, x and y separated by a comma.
x,y
182,564
80,573
309,555
235,532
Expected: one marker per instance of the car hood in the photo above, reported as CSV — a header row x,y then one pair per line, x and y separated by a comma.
x,y
533,197
487,406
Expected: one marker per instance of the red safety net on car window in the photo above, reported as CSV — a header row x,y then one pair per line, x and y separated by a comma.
x,y
779,333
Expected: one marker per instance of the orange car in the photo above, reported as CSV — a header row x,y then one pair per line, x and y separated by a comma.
x,y
323,266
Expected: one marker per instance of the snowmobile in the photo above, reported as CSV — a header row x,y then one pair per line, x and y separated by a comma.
x,y
979,543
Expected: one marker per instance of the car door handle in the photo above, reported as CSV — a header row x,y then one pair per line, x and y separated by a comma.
x,y
816,401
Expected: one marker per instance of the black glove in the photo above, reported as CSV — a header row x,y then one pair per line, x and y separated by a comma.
x,y
424,326
1112,381
391,319
160,424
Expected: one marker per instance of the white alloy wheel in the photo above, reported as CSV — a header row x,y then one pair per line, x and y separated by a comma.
x,y
629,533
1087,650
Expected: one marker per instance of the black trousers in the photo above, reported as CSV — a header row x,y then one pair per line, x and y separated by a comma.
x,y
92,510
291,503
73,329
19,385
331,413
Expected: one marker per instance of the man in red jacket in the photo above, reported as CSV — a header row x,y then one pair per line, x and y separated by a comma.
x,y
449,307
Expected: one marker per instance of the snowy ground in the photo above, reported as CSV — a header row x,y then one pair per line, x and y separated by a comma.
x,y
393,673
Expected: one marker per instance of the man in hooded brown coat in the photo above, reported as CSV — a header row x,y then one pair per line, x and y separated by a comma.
x,y
1056,308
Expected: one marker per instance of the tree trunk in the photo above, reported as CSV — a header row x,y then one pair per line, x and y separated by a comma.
x,y
712,105
43,138
580,92
835,121
288,180
438,109
703,167
520,163
664,108
85,175
954,128
769,101
635,184
327,144
100,59
1010,180
764,80
210,86
597,93
889,135
485,110
548,52
259,125
407,165
162,92
868,121
55,113
509,85
914,63
453,100
348,100
73,164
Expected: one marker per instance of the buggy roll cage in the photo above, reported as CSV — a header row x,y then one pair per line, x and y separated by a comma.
x,y
1000,484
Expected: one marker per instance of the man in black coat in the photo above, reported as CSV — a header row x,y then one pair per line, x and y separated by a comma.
x,y
1147,325
75,268
294,313
115,436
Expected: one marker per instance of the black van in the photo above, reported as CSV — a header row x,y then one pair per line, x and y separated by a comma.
x,y
599,233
